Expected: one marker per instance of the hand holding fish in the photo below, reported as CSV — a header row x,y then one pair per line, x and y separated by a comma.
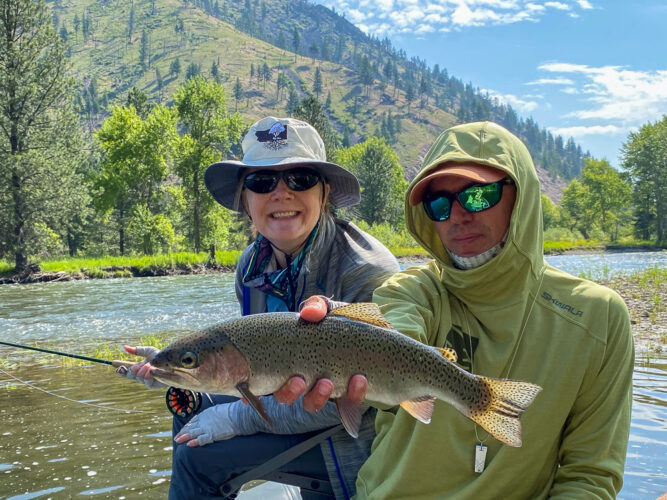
x,y
314,309
141,371
255,355
213,424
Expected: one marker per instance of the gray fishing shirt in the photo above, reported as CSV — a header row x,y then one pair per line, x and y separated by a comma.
x,y
347,269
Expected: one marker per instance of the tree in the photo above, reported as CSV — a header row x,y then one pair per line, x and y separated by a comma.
x,y
609,195
175,67
192,70
238,93
310,110
40,142
550,213
317,84
281,83
266,73
381,179
598,200
577,215
135,163
644,157
138,99
410,94
292,97
313,50
210,131
296,42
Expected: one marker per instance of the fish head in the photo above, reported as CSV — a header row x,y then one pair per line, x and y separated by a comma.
x,y
206,361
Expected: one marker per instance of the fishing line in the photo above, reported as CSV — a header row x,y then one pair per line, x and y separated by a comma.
x,y
73,400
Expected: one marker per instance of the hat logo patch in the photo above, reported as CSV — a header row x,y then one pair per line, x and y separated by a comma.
x,y
275,138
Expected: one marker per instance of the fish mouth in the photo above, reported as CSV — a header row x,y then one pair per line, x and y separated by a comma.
x,y
177,377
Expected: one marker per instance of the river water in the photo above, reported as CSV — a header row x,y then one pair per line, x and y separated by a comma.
x,y
93,433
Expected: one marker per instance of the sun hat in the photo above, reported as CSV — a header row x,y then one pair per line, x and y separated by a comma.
x,y
481,174
276,142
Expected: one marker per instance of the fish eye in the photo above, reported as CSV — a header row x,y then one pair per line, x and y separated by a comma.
x,y
189,359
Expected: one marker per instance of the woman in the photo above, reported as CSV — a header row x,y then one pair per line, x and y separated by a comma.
x,y
289,191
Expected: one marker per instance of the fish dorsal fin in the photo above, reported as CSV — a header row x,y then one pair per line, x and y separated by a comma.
x,y
421,408
448,353
367,312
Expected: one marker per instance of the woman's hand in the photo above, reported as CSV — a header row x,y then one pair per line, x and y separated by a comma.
x,y
212,424
141,371
313,310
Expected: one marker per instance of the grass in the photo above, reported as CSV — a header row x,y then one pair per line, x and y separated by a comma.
x,y
110,266
127,266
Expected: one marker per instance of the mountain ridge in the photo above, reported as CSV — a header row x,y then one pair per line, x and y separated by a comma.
x,y
108,57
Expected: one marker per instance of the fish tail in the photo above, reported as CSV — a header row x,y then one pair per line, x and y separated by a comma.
x,y
507,400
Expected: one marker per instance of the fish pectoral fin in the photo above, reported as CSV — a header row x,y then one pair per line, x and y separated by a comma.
x,y
350,416
254,401
367,312
448,353
421,408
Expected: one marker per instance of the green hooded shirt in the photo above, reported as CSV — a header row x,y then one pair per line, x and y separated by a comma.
x,y
514,317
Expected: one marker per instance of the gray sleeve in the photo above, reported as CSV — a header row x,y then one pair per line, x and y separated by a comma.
x,y
360,282
286,419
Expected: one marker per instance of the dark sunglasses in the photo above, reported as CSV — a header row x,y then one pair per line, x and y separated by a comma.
x,y
297,179
476,198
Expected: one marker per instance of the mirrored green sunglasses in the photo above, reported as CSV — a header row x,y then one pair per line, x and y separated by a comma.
x,y
475,198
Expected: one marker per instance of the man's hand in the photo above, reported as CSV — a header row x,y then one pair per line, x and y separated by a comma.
x,y
313,310
141,371
212,424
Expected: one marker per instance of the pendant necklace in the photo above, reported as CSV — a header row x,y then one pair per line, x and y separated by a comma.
x,y
480,448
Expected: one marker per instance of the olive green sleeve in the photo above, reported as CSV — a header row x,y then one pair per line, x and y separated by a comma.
x,y
595,437
411,301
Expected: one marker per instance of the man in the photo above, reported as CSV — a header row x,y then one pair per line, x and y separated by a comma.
x,y
489,294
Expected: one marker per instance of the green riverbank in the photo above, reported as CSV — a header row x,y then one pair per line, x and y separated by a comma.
x,y
74,268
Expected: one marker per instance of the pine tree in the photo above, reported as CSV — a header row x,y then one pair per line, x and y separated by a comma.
x,y
296,42
317,84
175,67
41,143
238,93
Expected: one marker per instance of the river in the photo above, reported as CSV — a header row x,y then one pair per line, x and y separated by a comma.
x,y
93,434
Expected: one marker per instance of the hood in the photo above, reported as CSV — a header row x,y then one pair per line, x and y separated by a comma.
x,y
508,276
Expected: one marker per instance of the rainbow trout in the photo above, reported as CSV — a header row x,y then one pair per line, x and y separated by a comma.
x,y
255,355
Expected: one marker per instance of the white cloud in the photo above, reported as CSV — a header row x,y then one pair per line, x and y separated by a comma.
x,y
551,81
519,104
617,94
581,131
557,5
454,14
356,16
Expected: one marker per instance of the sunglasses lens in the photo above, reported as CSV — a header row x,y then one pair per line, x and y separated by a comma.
x,y
262,182
478,198
301,179
297,179
438,208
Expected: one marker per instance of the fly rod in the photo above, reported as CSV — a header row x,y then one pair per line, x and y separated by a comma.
x,y
115,363
180,402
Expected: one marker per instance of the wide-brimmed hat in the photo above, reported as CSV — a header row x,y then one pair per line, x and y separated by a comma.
x,y
481,174
276,142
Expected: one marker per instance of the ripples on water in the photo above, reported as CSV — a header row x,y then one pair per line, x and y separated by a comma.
x,y
53,447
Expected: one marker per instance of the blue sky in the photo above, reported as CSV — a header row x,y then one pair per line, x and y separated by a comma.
x,y
594,70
